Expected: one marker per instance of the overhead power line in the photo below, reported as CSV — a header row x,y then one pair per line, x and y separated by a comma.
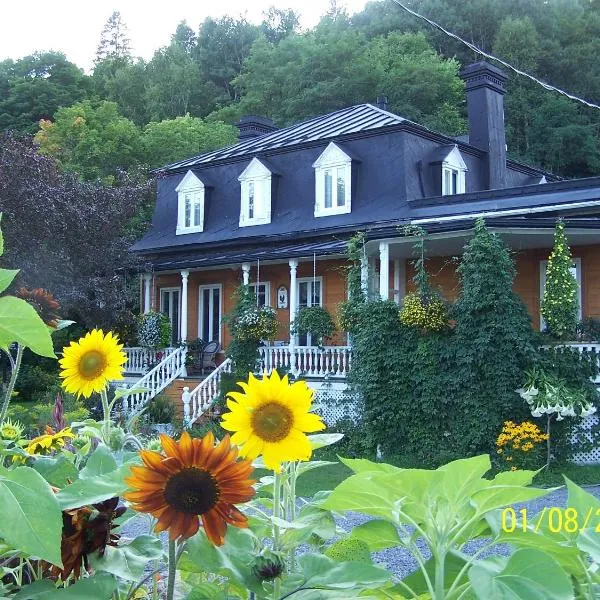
x,y
478,50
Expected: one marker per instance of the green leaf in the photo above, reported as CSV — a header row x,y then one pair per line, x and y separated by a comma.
x,y
207,591
97,587
20,323
121,393
100,462
62,324
588,541
586,505
322,572
32,519
129,560
361,465
458,479
6,278
56,471
499,496
304,467
377,534
527,575
453,565
94,489
320,440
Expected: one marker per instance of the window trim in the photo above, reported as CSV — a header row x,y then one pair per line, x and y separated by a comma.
x,y
267,285
578,277
201,288
327,162
190,184
258,174
454,164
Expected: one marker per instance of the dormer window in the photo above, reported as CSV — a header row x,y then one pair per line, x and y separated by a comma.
x,y
453,173
255,185
190,204
333,176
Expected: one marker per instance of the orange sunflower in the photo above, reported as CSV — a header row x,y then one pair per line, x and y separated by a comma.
x,y
195,479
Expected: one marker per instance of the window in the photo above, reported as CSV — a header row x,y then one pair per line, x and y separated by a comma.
x,y
255,184
576,272
190,204
262,291
170,305
333,172
209,314
453,173
309,293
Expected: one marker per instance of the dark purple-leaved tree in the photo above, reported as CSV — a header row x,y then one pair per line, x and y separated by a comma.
x,y
72,238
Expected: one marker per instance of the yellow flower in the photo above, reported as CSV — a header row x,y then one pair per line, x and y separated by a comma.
x,y
271,418
11,431
89,364
49,442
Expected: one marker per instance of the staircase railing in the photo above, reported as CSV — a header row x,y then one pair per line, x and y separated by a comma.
x,y
138,358
156,380
203,395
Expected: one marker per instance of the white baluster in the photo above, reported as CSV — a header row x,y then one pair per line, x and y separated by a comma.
x,y
185,397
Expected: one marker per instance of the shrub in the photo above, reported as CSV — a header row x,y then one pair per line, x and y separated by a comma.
x,y
316,321
425,311
588,330
161,409
154,330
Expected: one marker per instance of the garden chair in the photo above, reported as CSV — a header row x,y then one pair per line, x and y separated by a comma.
x,y
209,355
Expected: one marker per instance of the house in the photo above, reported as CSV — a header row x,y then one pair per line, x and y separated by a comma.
x,y
275,211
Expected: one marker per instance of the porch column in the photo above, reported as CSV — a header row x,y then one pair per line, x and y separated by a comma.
x,y
293,268
147,282
384,270
184,304
364,274
246,273
399,280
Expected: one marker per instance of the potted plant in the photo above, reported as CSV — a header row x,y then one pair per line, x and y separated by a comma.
x,y
316,321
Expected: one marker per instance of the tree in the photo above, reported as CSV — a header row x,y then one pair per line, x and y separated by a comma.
x,y
92,140
185,38
81,232
560,304
168,141
34,87
279,23
114,43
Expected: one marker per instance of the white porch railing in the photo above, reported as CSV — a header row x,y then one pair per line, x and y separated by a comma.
x,y
203,395
156,380
139,359
308,361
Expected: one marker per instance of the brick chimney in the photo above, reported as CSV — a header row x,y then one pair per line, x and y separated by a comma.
x,y
252,126
485,86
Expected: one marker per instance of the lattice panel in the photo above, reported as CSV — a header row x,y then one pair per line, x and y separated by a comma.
x,y
333,401
586,458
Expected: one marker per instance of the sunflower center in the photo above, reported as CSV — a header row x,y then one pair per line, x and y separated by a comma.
x,y
192,491
272,421
92,364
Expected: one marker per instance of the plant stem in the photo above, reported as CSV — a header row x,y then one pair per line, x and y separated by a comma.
x,y
172,569
11,384
106,417
440,560
548,442
276,532
292,505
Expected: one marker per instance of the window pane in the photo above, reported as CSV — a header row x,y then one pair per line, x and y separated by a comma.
x,y
164,302
188,210
205,317
216,315
316,293
447,182
197,207
328,189
454,182
251,200
303,293
175,317
341,186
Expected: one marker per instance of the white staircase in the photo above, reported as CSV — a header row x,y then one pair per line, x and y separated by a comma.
x,y
156,380
203,396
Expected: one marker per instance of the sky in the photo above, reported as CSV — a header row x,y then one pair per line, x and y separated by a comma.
x,y
74,26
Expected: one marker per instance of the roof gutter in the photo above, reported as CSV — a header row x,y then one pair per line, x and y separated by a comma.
x,y
501,213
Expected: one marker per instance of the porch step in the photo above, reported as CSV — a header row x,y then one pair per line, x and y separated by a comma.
x,y
174,390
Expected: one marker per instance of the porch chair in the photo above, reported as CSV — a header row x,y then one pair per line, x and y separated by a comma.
x,y
209,355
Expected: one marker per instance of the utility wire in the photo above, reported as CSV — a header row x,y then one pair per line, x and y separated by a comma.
x,y
477,50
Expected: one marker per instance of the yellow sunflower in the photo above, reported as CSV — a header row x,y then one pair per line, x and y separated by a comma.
x,y
49,442
271,418
195,479
11,431
89,364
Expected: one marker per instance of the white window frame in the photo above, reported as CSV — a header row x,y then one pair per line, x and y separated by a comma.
x,y
255,177
190,187
453,166
543,267
161,308
333,159
267,285
201,289
311,280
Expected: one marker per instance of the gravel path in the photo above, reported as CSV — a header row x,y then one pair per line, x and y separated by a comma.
x,y
397,560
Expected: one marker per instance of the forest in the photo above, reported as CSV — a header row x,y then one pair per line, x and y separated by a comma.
x,y
79,141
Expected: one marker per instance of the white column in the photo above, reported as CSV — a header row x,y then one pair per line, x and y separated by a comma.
x,y
293,268
364,274
399,280
184,304
147,282
246,273
384,270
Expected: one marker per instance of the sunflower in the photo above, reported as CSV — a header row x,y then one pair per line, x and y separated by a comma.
x,y
89,364
195,479
44,303
11,431
49,442
271,418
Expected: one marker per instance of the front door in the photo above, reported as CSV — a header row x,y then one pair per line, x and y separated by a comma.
x,y
309,294
209,326
170,303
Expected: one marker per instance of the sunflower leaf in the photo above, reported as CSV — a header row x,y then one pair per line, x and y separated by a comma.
x,y
20,323
6,278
